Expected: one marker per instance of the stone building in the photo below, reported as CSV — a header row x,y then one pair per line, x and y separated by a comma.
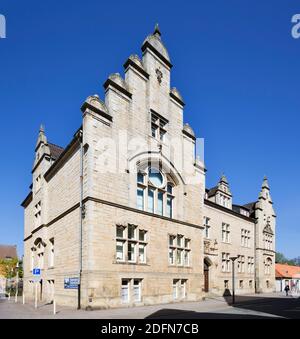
x,y
124,211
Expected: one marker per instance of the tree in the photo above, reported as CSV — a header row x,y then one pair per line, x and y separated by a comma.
x,y
8,267
281,259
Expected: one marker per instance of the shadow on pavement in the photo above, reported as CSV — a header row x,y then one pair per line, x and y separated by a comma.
x,y
269,307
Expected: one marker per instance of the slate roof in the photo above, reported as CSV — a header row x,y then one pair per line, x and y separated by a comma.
x,y
7,251
250,207
55,150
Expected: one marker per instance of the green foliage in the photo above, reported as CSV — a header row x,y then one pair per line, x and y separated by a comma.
x,y
9,268
281,259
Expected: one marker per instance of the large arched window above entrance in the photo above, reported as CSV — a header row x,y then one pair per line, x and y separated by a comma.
x,y
155,192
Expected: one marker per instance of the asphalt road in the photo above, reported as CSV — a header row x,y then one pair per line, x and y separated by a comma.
x,y
246,307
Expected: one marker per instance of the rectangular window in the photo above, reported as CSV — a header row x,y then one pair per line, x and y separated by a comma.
x,y
137,290
186,258
140,178
206,227
51,254
41,260
131,241
150,200
225,233
183,289
179,257
160,196
32,260
169,207
120,251
226,284
158,125
250,284
179,240
172,240
37,213
131,252
140,199
241,284
125,291
171,256
142,235
225,262
120,232
142,253
131,232
175,288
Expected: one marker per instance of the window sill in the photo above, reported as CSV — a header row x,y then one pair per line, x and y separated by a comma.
x,y
130,263
179,266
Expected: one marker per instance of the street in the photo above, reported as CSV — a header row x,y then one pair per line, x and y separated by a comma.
x,y
247,307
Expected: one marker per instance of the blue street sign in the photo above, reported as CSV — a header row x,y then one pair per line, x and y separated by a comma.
x,y
71,283
36,271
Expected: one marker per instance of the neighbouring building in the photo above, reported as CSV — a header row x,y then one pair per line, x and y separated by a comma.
x,y
7,253
287,275
124,210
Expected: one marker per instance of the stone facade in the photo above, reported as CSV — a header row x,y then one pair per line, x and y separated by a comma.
x,y
121,208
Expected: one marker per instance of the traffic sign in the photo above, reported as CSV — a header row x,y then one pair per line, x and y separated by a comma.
x,y
36,271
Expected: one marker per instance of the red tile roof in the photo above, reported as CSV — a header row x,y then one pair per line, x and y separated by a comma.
x,y
287,271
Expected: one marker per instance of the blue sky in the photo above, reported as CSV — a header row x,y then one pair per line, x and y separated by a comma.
x,y
235,63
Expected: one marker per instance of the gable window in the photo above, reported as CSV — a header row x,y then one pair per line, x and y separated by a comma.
x,y
158,127
155,193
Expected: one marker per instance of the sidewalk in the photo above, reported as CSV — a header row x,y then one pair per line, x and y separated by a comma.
x,y
9,309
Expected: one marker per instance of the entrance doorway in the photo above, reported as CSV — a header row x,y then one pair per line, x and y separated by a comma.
x,y
207,264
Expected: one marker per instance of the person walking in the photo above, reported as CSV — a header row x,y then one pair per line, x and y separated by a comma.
x,y
287,288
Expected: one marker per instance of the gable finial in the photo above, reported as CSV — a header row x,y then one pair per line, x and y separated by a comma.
x,y
157,30
42,128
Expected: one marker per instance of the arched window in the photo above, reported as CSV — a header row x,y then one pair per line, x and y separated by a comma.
x,y
268,265
155,192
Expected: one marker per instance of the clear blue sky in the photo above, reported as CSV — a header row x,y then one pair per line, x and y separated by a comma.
x,y
235,63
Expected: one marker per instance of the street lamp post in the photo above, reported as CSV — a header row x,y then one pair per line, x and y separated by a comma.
x,y
233,259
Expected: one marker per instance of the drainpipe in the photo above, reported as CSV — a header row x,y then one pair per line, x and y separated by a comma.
x,y
80,137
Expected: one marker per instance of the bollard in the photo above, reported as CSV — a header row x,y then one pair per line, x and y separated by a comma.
x,y
9,296
23,298
54,307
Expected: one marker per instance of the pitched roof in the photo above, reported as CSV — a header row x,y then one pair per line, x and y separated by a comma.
x,y
7,251
55,150
212,191
287,271
250,206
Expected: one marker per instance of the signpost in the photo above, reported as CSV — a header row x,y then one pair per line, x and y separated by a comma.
x,y
36,275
